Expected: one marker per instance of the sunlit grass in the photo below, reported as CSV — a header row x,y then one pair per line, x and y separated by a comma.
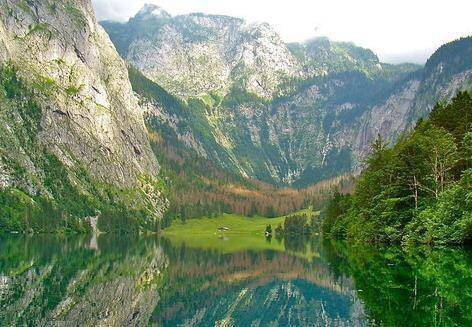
x,y
236,224
244,234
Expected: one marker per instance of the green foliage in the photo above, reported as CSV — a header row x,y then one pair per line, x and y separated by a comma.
x,y
198,185
239,95
22,213
334,220
72,90
13,90
152,91
416,191
449,219
117,221
453,57
279,230
299,224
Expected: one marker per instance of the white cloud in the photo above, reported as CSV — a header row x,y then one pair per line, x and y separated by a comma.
x,y
396,30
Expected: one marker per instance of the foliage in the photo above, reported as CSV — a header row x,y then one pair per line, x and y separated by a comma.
x,y
334,222
418,286
268,230
279,230
300,224
20,212
453,57
417,191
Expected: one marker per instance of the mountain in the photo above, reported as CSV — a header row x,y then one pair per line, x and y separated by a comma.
x,y
74,142
416,191
227,107
199,54
286,114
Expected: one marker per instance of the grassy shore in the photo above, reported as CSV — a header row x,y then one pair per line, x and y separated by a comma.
x,y
245,233
236,224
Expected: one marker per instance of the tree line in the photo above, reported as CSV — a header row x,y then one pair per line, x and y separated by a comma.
x,y
418,191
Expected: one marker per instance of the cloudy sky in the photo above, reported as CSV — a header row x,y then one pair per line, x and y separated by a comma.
x,y
398,31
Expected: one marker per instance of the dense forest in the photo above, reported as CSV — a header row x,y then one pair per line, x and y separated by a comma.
x,y
418,191
198,189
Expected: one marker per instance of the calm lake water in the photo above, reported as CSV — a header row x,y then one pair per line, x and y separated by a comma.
x,y
223,281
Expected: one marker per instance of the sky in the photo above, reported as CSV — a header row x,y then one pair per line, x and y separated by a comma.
x,y
396,30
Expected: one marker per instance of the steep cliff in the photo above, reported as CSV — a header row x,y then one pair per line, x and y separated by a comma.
x,y
195,54
288,114
73,133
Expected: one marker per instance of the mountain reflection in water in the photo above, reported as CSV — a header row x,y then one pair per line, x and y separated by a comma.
x,y
123,280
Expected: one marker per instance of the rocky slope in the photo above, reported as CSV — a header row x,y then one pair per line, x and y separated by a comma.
x,y
197,54
71,126
288,114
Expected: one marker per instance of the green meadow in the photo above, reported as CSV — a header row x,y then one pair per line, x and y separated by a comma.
x,y
237,225
244,234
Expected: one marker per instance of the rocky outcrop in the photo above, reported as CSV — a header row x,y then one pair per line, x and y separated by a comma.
x,y
88,116
195,54
89,110
288,114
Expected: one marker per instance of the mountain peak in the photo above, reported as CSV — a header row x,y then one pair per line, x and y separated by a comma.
x,y
150,11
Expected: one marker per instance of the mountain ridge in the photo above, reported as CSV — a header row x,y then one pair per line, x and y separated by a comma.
x,y
84,131
312,120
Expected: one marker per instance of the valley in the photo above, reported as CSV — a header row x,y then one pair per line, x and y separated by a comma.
x,y
265,128
194,169
285,114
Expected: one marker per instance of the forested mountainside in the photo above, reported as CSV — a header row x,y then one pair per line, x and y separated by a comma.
x,y
420,190
73,139
230,110
286,114
197,185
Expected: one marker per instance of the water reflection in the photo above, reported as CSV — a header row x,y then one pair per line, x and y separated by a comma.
x,y
113,280
257,288
72,281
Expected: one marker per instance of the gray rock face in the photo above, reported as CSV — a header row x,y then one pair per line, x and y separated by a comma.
x,y
91,110
90,118
286,114
196,54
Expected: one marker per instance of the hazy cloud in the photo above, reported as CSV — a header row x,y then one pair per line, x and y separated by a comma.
x,y
406,30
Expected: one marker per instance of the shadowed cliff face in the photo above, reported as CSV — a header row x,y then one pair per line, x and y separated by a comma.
x,y
288,114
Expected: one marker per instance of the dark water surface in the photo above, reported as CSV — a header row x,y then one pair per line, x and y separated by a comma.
x,y
126,281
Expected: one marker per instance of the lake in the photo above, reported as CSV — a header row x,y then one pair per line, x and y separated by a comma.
x,y
135,281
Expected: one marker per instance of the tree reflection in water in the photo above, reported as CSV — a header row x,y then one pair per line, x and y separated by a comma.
x,y
119,280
